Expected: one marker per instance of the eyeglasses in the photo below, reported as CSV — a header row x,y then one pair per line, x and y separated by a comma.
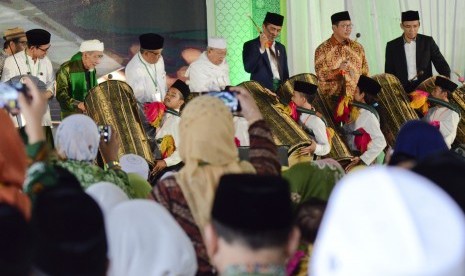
x,y
154,53
347,26
22,42
44,50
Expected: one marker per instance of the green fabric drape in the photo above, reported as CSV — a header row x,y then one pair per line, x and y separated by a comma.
x,y
72,86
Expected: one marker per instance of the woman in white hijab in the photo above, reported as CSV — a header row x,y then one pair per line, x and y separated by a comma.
x,y
144,239
77,143
107,195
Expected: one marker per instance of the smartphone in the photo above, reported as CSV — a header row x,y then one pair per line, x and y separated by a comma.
x,y
105,132
229,99
9,94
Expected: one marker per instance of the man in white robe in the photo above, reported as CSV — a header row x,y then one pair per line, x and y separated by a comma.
x,y
210,72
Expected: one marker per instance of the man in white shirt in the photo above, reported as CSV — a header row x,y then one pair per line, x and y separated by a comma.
x,y
444,114
210,72
304,94
145,72
33,61
15,41
146,75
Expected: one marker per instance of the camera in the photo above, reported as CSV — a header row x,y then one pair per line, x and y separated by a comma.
x,y
9,94
229,99
105,132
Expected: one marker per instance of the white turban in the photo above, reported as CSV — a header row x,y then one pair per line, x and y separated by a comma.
x,y
217,42
132,163
91,45
389,221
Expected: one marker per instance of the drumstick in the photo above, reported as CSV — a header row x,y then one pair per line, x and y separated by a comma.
x,y
255,24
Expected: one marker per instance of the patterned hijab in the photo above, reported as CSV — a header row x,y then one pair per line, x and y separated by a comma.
x,y
208,151
77,138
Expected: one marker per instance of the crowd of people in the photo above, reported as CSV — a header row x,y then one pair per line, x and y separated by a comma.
x,y
199,209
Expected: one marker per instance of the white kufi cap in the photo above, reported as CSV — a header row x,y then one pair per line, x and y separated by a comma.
x,y
217,42
91,45
132,163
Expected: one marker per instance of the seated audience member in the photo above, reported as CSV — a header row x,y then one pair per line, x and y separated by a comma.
x,y
316,179
16,244
447,170
107,195
208,153
137,170
144,239
389,221
415,141
308,219
77,143
256,236
70,234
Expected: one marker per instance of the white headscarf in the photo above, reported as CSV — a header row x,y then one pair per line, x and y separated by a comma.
x,y
107,195
389,221
77,138
133,163
144,239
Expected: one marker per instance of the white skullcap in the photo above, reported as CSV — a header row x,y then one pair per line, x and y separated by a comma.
x,y
107,195
91,45
217,42
389,221
132,163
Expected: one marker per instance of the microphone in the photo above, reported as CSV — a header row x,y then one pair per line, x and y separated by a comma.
x,y
110,76
419,74
357,36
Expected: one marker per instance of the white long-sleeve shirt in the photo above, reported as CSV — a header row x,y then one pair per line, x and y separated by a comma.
x,y
368,121
41,68
205,76
448,122
148,81
170,126
318,128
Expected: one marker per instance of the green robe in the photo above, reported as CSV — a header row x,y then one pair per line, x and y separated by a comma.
x,y
72,86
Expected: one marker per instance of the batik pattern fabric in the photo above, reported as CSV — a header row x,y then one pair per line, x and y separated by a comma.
x,y
329,56
89,174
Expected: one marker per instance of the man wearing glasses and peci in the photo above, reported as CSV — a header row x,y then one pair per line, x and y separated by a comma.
x,y
339,61
15,41
33,61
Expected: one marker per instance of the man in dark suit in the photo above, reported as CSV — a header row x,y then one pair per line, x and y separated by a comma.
x,y
264,58
409,57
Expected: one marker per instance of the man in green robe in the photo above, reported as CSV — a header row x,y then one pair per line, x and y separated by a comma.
x,y
77,76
